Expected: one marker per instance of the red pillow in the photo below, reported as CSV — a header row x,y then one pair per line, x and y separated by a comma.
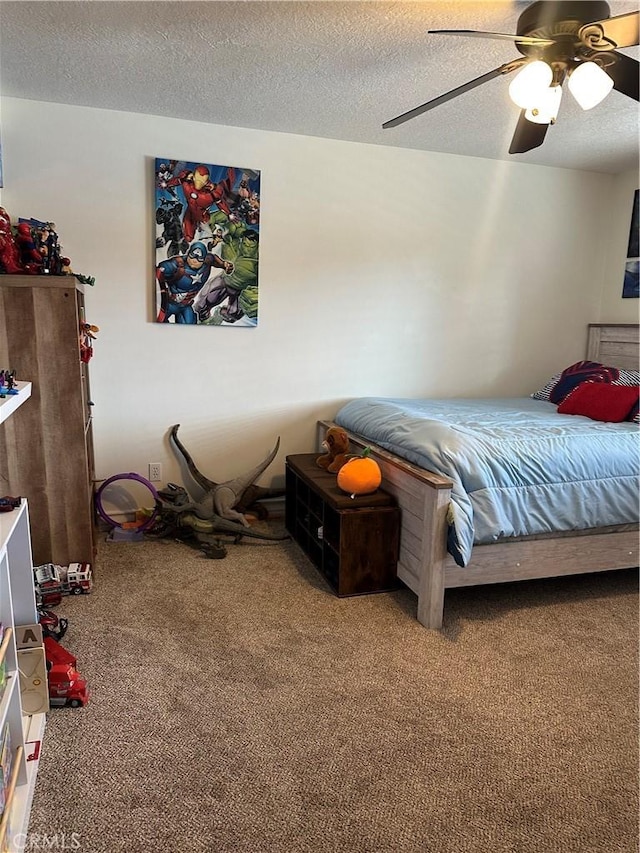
x,y
601,401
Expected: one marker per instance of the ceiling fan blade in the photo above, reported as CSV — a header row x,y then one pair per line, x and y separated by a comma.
x,y
527,135
621,31
466,87
483,35
625,73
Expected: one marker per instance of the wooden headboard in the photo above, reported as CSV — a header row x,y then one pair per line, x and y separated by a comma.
x,y
615,344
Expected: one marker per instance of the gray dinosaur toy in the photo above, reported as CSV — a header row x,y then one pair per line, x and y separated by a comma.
x,y
228,500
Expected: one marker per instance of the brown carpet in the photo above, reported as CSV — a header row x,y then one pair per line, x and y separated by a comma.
x,y
239,707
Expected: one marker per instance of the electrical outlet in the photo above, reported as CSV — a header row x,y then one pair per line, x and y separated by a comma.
x,y
155,472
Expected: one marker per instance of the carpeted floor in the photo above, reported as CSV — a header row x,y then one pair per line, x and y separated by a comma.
x,y
239,707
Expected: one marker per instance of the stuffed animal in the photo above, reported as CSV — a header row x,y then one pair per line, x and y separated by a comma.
x,y
336,443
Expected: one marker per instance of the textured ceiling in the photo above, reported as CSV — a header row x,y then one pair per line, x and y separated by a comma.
x,y
327,69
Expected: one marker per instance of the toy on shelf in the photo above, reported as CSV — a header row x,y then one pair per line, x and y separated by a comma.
x,y
34,249
46,243
85,279
86,336
30,257
8,382
8,503
66,685
50,579
9,255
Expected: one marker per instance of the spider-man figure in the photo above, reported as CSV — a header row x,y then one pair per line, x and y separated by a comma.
x,y
200,195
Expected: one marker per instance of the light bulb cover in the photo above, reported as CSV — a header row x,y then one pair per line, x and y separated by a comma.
x,y
528,84
545,110
589,84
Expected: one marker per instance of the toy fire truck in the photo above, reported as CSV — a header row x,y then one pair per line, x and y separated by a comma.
x,y
66,685
52,581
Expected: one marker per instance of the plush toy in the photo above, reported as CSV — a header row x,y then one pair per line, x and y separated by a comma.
x,y
336,444
360,475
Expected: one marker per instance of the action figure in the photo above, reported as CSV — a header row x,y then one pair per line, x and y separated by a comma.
x,y
30,257
9,255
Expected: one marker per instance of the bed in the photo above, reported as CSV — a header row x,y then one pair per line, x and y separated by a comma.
x,y
431,559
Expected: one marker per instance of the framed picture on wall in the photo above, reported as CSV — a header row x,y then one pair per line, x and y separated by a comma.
x,y
631,286
207,243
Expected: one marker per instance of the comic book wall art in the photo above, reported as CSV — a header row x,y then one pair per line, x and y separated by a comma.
x,y
207,243
631,284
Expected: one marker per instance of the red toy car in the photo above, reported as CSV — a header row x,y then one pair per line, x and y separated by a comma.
x,y
52,625
66,685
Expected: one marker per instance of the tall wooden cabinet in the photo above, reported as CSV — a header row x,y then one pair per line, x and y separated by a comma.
x,y
46,448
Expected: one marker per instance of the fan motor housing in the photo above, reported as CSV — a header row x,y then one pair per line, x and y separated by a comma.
x,y
557,18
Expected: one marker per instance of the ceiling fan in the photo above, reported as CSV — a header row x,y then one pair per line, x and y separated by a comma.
x,y
560,41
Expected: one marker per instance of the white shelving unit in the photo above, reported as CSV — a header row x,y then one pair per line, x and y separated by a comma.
x,y
17,607
11,402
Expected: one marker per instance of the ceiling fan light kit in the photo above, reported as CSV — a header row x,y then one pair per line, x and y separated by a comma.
x,y
545,108
529,84
559,39
589,84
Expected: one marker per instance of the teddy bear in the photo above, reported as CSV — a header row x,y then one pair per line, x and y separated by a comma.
x,y
336,443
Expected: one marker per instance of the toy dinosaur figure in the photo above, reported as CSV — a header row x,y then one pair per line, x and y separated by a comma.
x,y
228,500
179,517
223,527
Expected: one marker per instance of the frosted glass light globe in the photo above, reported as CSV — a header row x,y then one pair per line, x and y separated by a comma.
x,y
545,110
589,84
528,84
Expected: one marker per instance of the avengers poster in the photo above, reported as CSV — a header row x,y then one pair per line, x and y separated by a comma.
x,y
631,285
207,243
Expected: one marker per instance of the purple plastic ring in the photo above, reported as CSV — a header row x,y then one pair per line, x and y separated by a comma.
x,y
130,476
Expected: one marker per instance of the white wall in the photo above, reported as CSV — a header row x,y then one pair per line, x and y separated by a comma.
x,y
614,309
383,272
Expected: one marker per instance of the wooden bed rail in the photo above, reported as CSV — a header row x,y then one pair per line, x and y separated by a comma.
x,y
426,567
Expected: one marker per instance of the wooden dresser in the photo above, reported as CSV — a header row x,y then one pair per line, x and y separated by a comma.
x,y
46,448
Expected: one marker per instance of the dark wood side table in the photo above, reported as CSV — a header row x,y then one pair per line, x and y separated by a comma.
x,y
352,541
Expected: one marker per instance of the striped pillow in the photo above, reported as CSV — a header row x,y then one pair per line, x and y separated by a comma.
x,y
561,385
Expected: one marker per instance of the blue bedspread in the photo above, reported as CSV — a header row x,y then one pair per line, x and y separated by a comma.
x,y
517,466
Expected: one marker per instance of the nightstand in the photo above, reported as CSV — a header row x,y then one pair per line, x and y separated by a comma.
x,y
353,542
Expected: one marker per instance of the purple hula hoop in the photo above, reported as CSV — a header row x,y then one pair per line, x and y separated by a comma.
x,y
131,476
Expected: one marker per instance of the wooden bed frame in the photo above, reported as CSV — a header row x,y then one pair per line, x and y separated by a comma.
x,y
424,564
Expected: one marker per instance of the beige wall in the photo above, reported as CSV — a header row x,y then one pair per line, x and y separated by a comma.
x,y
615,309
383,272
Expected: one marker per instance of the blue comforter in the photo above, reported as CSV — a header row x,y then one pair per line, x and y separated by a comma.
x,y
517,466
